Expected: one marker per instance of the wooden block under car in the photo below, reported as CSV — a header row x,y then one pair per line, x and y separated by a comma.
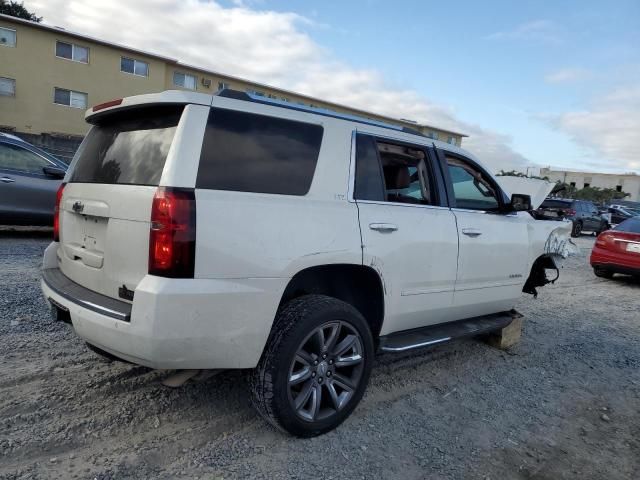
x,y
508,336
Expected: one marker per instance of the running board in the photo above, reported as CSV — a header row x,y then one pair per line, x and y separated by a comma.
x,y
444,332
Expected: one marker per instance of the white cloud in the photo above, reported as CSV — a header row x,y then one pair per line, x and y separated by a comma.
x,y
265,46
536,30
568,75
609,130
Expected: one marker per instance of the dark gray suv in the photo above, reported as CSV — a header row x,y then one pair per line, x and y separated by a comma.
x,y
29,180
583,214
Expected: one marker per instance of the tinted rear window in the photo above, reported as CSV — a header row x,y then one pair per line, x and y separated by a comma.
x,y
555,204
128,147
245,152
629,225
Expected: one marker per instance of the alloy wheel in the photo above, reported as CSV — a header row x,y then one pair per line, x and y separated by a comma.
x,y
326,370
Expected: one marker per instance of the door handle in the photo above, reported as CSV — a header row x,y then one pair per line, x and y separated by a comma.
x,y
7,180
471,232
383,227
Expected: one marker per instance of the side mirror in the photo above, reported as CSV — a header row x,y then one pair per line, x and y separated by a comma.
x,y
520,202
54,172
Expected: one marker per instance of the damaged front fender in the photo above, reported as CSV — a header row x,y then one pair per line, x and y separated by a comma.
x,y
550,244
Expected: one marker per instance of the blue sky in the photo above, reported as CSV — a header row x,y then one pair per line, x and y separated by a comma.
x,y
490,60
532,82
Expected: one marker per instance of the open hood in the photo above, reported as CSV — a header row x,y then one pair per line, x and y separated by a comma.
x,y
537,189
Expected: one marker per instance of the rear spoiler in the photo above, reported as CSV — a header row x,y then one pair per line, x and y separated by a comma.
x,y
167,97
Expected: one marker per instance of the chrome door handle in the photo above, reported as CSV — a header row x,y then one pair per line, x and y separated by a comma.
x,y
383,227
7,180
471,232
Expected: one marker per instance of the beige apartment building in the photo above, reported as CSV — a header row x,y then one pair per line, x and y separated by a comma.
x,y
627,182
49,76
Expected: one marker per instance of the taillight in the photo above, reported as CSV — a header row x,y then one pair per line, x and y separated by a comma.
x,y
604,239
570,212
172,234
56,213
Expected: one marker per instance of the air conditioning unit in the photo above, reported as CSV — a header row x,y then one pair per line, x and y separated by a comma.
x,y
206,82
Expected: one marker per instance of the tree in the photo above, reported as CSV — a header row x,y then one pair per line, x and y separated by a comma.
x,y
15,9
514,173
593,194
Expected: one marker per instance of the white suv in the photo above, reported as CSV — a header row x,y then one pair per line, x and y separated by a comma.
x,y
232,231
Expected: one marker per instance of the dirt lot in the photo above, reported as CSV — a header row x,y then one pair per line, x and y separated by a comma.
x,y
565,403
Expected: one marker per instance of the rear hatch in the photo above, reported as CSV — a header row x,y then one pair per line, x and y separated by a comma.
x,y
106,205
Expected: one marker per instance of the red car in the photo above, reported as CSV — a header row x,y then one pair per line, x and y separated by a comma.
x,y
618,250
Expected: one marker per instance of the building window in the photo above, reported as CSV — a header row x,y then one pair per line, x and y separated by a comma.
x,y
69,98
586,185
452,140
7,37
134,67
184,80
433,135
572,184
222,85
618,188
73,52
7,87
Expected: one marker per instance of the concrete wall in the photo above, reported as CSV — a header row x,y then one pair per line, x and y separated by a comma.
x,y
628,183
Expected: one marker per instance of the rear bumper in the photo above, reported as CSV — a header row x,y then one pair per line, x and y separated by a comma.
x,y
174,323
615,262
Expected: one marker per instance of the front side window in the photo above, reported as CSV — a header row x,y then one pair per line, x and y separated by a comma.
x,y
472,188
73,52
13,157
70,98
7,37
134,67
245,152
391,172
7,87
184,80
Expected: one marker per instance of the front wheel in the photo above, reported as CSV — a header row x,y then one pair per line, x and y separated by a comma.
x,y
316,366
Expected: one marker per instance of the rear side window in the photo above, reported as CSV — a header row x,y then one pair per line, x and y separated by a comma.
x,y
245,152
128,147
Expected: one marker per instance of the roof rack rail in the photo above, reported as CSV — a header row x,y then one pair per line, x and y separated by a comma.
x,y
251,97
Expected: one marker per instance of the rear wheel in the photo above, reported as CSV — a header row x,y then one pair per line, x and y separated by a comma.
x,y
577,229
602,273
316,366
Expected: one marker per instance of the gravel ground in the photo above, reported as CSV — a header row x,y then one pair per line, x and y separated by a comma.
x,y
564,403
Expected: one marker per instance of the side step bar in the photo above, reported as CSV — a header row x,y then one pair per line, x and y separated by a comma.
x,y
444,332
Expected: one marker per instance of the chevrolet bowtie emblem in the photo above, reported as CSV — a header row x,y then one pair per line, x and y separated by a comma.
x,y
78,207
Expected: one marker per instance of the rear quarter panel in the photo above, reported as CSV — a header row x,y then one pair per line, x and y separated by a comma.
x,y
253,235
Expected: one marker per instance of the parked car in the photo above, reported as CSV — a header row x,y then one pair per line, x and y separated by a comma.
x,y
234,231
584,215
29,180
619,214
618,250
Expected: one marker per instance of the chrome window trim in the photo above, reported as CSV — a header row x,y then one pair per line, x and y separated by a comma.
x,y
398,204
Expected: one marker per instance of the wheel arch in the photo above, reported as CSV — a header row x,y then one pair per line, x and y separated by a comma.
x,y
357,285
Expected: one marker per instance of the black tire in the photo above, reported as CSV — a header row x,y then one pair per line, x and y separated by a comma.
x,y
293,334
602,273
576,230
